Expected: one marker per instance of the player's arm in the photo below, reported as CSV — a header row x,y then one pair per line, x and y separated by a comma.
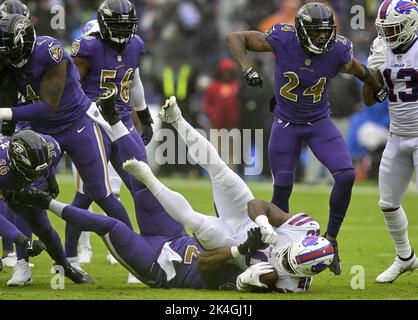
x,y
140,107
83,66
367,91
354,67
239,43
50,93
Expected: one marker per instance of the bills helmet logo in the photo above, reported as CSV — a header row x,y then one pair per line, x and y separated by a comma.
x,y
56,53
405,7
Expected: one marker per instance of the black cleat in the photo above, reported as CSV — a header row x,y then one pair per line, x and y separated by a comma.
x,y
335,265
107,106
76,275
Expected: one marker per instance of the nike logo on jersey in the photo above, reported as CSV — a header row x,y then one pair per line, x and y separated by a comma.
x,y
50,45
131,129
81,130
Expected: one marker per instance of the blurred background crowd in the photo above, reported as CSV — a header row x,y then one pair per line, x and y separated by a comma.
x,y
186,55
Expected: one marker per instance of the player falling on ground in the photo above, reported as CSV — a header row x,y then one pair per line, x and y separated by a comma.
x,y
308,56
237,211
27,159
161,260
48,79
395,61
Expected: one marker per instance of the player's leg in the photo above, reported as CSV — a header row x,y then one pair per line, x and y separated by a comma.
x,y
9,256
285,147
231,194
210,231
395,171
87,150
328,145
132,251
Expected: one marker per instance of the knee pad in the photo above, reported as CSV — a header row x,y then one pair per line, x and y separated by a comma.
x,y
345,177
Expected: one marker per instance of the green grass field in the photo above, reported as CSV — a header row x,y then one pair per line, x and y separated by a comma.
x,y
364,242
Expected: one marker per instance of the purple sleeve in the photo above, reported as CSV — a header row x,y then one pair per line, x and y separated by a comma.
x,y
82,47
345,49
53,53
278,35
140,44
32,112
7,229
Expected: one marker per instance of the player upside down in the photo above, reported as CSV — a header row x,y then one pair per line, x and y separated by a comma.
x,y
296,252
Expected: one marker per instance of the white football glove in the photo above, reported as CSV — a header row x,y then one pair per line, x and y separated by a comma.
x,y
251,276
268,235
377,54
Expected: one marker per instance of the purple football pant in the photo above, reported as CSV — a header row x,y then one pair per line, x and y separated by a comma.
x,y
328,145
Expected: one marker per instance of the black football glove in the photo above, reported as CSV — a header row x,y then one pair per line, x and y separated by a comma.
x,y
253,242
106,103
33,247
53,187
381,94
253,78
146,123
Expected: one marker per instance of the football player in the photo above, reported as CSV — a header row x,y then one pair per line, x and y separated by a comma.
x,y
56,105
238,212
28,160
393,57
308,55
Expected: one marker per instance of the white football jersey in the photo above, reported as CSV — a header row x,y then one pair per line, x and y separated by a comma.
x,y
300,225
400,73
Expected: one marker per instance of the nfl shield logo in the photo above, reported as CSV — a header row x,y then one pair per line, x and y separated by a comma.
x,y
308,62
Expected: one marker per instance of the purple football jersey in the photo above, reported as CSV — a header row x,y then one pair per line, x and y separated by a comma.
x,y
301,80
47,53
109,69
9,180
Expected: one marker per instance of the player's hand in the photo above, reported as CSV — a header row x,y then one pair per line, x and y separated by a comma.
x,y
34,247
147,133
253,78
381,94
253,242
53,187
268,235
251,276
377,54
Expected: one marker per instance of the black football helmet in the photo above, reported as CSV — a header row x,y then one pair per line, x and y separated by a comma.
x,y
117,21
14,6
29,155
17,39
315,28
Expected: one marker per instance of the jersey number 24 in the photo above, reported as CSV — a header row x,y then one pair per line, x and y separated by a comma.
x,y
315,91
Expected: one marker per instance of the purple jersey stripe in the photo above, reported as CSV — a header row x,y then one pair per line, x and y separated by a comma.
x,y
295,220
384,9
308,219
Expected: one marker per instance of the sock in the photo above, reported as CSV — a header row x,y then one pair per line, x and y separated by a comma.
x,y
114,208
72,235
397,225
339,201
199,148
281,197
85,240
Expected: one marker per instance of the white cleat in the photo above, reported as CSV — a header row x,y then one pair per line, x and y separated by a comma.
x,y
85,255
111,259
10,261
21,274
139,170
132,279
170,111
396,269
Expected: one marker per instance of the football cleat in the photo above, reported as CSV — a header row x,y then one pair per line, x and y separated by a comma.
x,y
9,261
107,106
139,170
132,279
85,255
335,265
21,274
111,259
397,268
77,275
170,111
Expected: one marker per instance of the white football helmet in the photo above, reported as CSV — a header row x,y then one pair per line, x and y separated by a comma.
x,y
397,21
91,27
309,255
